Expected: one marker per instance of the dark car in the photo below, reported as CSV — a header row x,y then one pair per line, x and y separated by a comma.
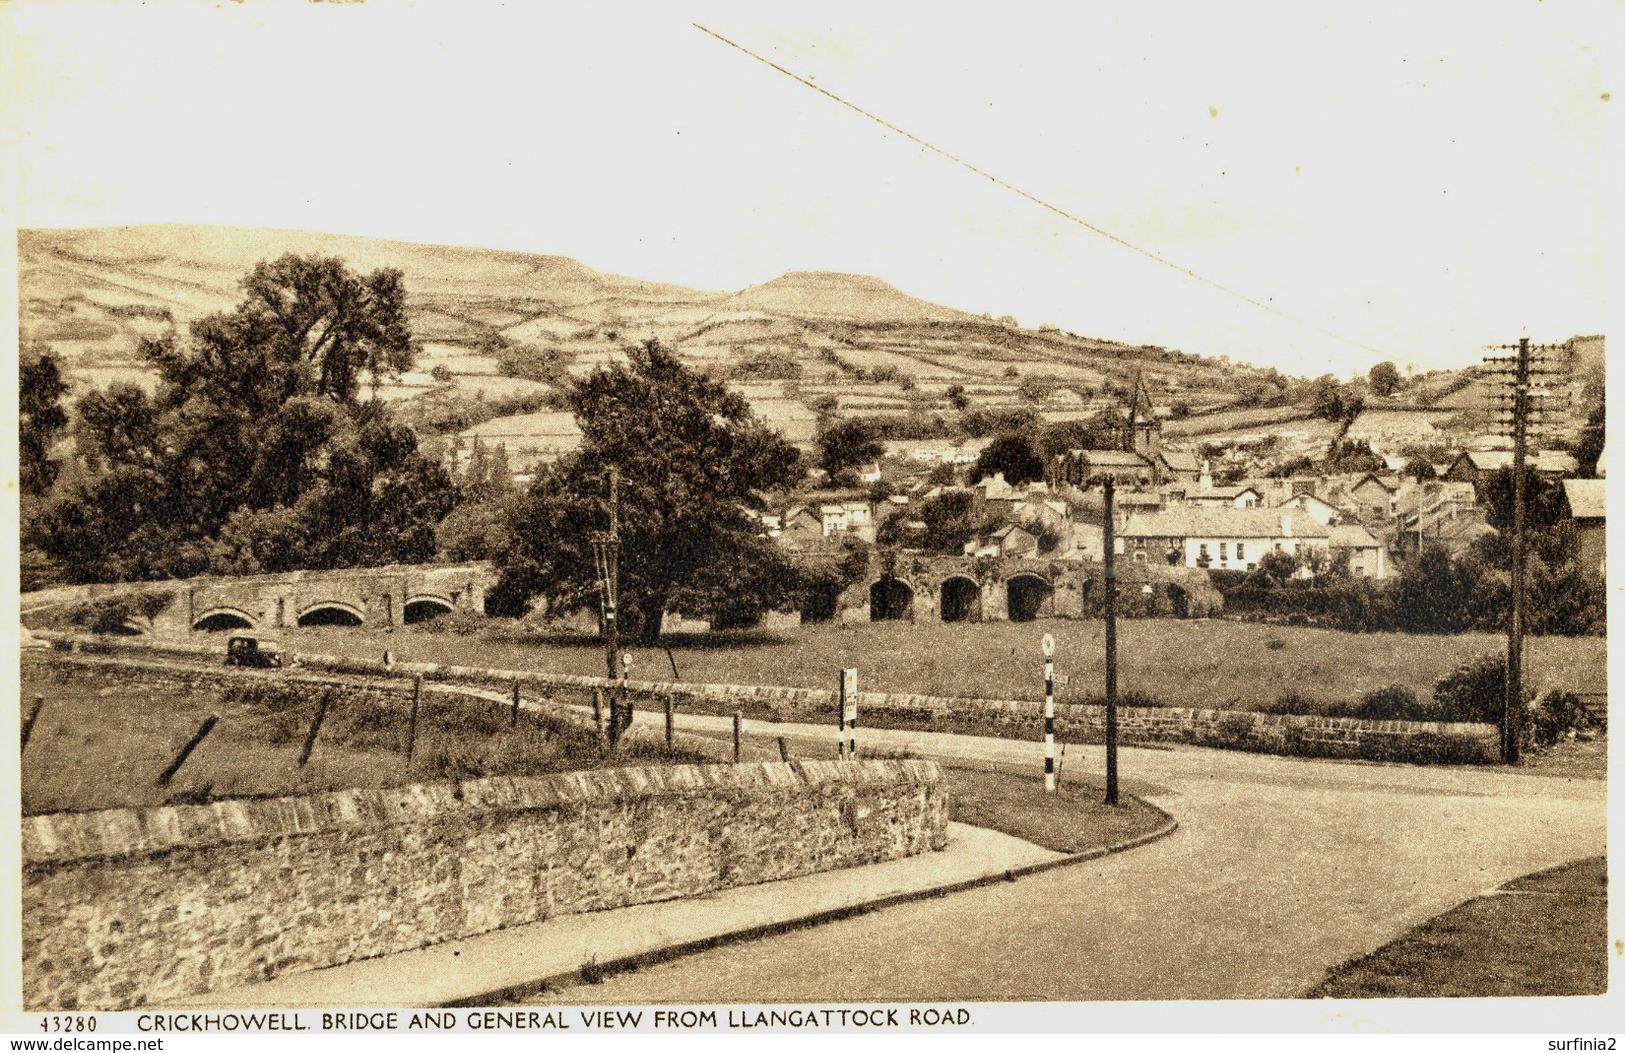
x,y
253,651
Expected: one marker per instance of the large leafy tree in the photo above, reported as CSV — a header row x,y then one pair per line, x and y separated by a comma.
x,y
1014,456
691,459
1384,379
257,452
40,388
847,444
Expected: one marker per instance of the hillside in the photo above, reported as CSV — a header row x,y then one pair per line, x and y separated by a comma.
x,y
501,330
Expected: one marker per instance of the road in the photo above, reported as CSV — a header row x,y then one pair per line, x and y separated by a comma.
x,y
1282,868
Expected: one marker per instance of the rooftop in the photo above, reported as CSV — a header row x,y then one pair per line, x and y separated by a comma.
x,y
1195,521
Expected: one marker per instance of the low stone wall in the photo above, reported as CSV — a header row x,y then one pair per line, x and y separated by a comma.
x,y
1422,742
133,906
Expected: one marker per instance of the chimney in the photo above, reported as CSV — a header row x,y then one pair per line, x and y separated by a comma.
x,y
1286,526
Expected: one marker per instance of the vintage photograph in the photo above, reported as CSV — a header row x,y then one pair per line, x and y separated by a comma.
x,y
813,509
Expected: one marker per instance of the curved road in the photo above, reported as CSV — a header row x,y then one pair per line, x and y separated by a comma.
x,y
1282,868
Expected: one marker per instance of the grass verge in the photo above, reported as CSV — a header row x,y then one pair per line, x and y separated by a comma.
x,y
103,737
1073,819
1544,934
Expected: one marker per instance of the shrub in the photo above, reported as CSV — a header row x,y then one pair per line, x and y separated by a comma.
x,y
1557,716
1394,702
1474,692
1294,703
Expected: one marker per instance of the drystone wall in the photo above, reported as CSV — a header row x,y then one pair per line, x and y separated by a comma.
x,y
133,906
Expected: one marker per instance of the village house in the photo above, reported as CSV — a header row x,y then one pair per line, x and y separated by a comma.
x,y
1176,465
1476,466
1224,497
1323,512
1218,538
1206,495
1124,467
1586,507
1011,540
1367,556
848,517
1425,506
1373,498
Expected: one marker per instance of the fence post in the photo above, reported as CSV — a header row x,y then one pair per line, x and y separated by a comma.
x,y
33,715
186,750
784,751
671,719
598,713
513,715
739,720
315,727
412,722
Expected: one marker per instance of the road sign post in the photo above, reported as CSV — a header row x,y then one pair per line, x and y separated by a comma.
x,y
1049,713
846,716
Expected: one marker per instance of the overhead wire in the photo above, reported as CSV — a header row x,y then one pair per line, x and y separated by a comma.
x,y
1040,202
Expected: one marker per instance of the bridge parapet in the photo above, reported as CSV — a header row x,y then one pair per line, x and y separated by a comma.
x,y
391,595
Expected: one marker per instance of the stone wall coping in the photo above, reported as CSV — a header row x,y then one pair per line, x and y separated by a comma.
x,y
60,838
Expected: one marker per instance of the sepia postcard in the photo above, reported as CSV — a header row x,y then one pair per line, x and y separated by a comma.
x,y
821,518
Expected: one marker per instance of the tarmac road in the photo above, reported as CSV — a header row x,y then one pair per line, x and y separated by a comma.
x,y
1282,868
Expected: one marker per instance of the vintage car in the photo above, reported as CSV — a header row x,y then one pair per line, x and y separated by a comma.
x,y
254,651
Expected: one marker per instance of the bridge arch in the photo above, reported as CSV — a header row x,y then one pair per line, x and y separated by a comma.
x,y
959,599
423,607
222,619
332,612
1025,595
891,599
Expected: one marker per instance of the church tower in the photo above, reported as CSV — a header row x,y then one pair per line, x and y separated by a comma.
x,y
1143,427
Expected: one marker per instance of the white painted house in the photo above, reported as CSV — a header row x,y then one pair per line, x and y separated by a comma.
x,y
1219,538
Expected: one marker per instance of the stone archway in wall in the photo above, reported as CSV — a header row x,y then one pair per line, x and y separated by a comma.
x,y
960,599
222,619
331,612
424,608
891,599
1026,595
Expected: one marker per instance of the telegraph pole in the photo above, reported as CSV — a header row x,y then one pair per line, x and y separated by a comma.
x,y
1109,536
1517,410
607,549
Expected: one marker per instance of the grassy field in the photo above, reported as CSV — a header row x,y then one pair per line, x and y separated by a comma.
x,y
1204,664
102,740
1545,934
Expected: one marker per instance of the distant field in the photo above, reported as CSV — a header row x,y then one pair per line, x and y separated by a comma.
x,y
1204,664
1226,420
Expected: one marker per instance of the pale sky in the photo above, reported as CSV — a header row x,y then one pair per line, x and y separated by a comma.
x,y
1420,178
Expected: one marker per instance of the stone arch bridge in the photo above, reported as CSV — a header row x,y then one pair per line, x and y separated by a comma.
x,y
985,589
394,595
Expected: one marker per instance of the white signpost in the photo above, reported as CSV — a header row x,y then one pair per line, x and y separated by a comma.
x,y
846,715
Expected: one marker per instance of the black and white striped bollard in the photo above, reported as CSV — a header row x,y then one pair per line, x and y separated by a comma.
x,y
846,716
1049,713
